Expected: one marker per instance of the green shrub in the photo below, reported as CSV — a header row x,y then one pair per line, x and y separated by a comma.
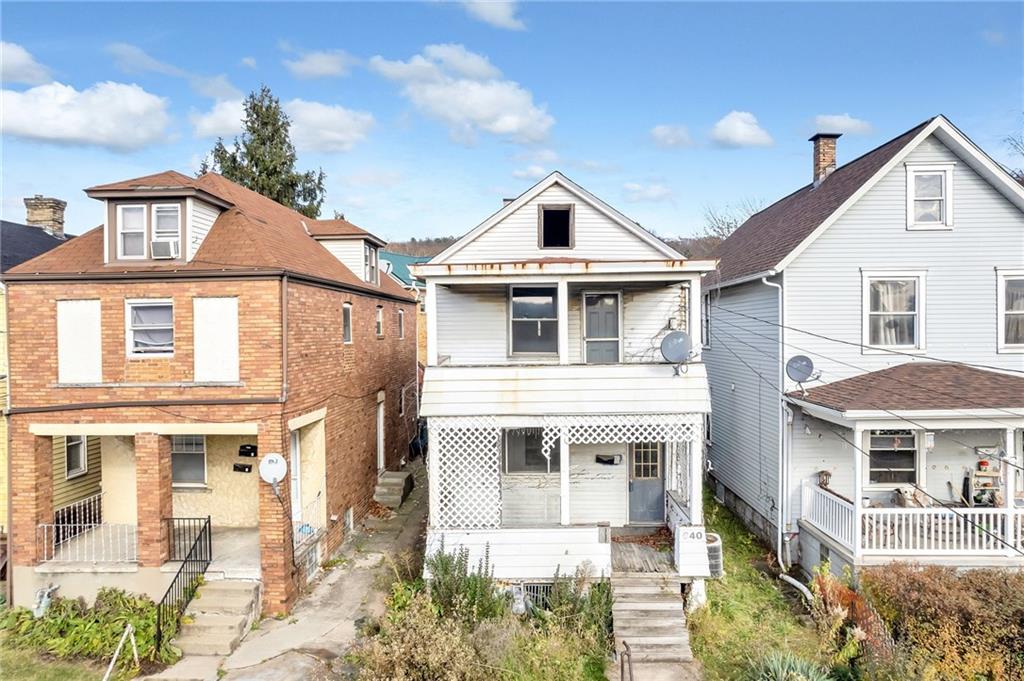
x,y
785,666
457,591
69,629
585,607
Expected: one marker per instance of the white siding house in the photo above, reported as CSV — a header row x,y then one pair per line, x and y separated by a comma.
x,y
897,276
554,420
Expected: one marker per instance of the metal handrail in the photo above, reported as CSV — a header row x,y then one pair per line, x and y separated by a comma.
x,y
626,662
185,583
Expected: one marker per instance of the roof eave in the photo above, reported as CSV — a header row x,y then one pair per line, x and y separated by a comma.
x,y
158,192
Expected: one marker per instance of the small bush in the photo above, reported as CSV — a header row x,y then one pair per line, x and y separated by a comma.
x,y
69,629
784,666
457,591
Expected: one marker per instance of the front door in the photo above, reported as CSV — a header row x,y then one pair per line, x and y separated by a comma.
x,y
646,482
296,476
601,327
380,437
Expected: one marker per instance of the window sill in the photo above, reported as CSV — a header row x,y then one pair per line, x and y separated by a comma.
x,y
150,355
191,488
930,228
75,474
902,350
1011,350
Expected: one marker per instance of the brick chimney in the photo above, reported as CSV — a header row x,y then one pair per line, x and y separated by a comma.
x,y
47,213
824,155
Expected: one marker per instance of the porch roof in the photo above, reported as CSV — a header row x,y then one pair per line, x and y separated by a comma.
x,y
564,390
919,386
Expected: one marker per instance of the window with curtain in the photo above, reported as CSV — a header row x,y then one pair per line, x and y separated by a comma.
x,y
534,319
893,312
1013,312
188,460
892,457
929,198
150,327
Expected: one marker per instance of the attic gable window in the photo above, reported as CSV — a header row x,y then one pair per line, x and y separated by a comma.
x,y
930,196
555,226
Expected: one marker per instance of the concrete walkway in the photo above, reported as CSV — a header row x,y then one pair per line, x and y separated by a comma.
x,y
312,641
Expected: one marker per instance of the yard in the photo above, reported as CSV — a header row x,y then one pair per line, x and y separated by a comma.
x,y
25,665
748,615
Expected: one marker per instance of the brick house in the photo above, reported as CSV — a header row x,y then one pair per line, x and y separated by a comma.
x,y
201,328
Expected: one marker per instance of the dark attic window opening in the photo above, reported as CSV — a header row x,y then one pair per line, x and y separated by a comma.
x,y
556,228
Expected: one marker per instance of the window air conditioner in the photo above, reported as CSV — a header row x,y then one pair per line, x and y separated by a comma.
x,y
164,250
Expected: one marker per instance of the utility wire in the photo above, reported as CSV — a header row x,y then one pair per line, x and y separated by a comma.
x,y
868,455
870,347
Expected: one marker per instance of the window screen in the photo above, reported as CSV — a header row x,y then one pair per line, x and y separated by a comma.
x,y
535,320
893,457
556,227
188,459
523,453
151,327
166,222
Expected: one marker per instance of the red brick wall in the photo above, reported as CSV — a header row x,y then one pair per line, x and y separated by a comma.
x,y
345,378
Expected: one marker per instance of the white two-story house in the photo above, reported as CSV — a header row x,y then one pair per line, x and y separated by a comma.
x,y
555,423
896,281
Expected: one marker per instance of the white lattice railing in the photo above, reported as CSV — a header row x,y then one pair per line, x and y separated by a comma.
x,y
466,455
930,531
830,514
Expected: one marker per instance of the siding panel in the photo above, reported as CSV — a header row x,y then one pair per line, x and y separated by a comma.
x,y
69,491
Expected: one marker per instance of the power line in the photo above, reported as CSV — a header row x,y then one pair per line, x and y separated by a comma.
x,y
890,412
869,347
868,455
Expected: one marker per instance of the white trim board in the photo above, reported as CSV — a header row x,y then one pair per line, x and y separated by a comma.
x,y
60,429
573,188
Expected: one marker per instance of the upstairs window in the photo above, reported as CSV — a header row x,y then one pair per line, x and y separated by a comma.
x,y
76,461
401,324
166,222
1011,311
346,323
150,327
188,460
894,317
524,453
929,197
131,231
534,320
380,321
370,264
893,458
555,226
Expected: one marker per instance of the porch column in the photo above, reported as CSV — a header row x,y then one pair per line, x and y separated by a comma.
x,y
153,494
430,303
31,490
563,475
696,480
858,489
276,550
563,322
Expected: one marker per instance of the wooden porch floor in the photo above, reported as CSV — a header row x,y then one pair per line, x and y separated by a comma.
x,y
633,558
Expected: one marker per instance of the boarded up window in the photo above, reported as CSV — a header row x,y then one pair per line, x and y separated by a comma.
x,y
216,339
79,357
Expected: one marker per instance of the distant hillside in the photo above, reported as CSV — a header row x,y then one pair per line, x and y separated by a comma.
x,y
430,246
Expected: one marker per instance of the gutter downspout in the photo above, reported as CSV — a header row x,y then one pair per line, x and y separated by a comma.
x,y
782,474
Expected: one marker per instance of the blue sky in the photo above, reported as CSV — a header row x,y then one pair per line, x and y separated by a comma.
x,y
425,115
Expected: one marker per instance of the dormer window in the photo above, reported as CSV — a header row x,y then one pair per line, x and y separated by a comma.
x,y
166,222
929,196
370,264
131,231
555,228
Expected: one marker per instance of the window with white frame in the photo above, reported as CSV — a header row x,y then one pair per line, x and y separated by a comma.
x,y
166,222
380,321
149,327
892,457
534,319
523,452
705,321
1011,311
346,323
929,196
401,324
131,231
188,460
555,226
894,310
76,459
401,402
370,263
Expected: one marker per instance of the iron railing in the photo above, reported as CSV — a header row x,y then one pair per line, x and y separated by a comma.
x,y
179,594
307,528
88,542
626,663
181,535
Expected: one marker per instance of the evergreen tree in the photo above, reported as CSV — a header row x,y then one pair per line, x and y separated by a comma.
x,y
263,157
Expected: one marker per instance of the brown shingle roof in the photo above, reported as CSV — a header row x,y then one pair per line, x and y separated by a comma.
x,y
255,234
920,385
760,243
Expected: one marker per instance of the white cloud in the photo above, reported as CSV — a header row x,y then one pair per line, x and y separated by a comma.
x,y
314,126
841,123
463,90
326,128
113,115
497,14
740,129
636,192
248,62
533,172
669,136
223,120
17,65
322,64
132,59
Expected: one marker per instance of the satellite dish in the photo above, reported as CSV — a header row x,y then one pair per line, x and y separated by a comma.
x,y
273,468
800,368
675,347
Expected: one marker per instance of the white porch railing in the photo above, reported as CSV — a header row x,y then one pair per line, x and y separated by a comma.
x,y
309,525
913,532
88,542
830,513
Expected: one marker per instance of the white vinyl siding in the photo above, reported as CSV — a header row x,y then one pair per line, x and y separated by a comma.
x,y
598,492
79,355
596,236
348,251
216,339
203,217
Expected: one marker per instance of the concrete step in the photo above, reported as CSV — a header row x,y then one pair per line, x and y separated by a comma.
x,y
230,586
208,643
227,597
204,623
392,488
